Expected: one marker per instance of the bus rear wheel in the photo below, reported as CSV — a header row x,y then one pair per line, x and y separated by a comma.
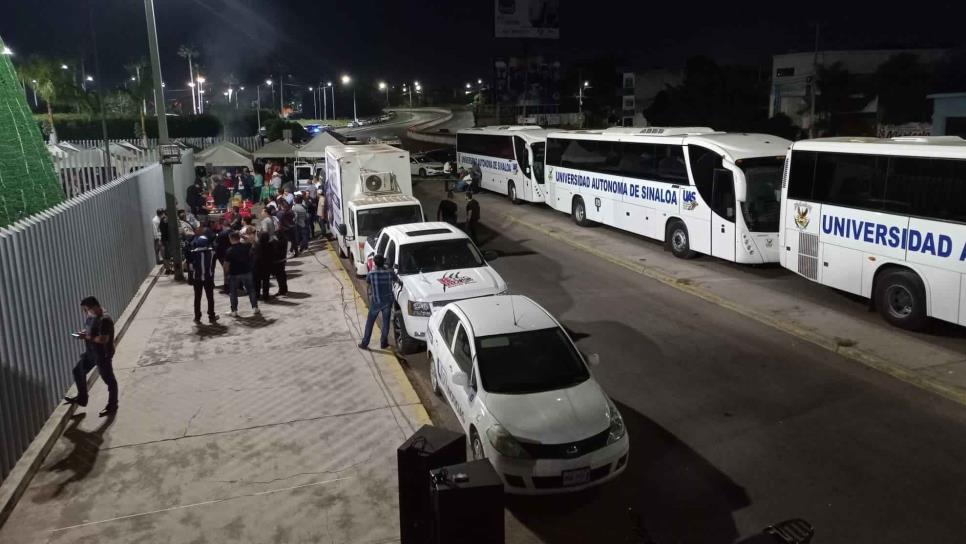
x,y
511,193
678,240
579,213
901,299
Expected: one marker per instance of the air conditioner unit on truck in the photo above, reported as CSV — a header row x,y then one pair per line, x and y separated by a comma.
x,y
368,187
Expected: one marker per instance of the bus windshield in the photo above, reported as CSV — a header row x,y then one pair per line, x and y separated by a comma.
x,y
372,220
761,207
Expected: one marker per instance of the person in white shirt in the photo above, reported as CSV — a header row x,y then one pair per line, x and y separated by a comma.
x,y
156,228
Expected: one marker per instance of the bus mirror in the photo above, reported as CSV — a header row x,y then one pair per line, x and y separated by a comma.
x,y
342,229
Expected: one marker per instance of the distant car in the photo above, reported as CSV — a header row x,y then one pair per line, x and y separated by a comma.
x,y
524,395
353,124
313,129
423,167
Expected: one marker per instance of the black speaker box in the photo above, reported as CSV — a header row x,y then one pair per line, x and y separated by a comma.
x,y
467,504
430,447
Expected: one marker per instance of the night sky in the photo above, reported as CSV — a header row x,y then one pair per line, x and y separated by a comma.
x,y
447,42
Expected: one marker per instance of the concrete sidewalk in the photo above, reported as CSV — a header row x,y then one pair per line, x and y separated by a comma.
x,y
934,360
260,429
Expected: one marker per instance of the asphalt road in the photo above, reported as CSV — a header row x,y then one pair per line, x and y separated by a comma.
x,y
733,425
396,128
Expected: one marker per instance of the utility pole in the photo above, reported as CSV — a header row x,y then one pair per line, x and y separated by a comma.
x,y
814,84
258,109
325,103
108,172
174,248
281,97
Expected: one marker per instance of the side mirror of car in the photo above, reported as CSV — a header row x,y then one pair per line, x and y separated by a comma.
x,y
461,379
342,229
593,359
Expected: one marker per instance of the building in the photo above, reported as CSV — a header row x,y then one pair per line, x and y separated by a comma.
x,y
793,74
949,114
638,90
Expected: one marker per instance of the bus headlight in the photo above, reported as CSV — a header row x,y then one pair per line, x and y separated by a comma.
x,y
420,309
504,442
617,430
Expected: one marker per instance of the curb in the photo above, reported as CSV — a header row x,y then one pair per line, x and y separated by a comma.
x,y
857,355
16,483
393,363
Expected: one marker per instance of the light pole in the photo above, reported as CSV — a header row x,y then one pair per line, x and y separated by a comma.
x,y
346,80
315,104
238,96
281,97
580,100
384,87
258,110
325,101
201,92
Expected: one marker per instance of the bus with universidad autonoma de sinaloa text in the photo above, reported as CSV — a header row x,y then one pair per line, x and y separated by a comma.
x,y
697,190
881,218
509,158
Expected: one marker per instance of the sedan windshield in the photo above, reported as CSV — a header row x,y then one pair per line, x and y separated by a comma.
x,y
529,362
439,255
372,220
761,207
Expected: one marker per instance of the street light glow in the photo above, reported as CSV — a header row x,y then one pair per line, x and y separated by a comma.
x,y
268,82
586,84
311,89
479,81
468,86
329,84
63,66
382,85
201,79
346,79
132,78
89,78
191,84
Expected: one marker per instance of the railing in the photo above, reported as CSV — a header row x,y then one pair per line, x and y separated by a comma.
x,y
98,243
249,143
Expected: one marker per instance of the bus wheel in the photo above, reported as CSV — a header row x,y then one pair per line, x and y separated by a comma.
x,y
901,299
580,213
678,240
511,193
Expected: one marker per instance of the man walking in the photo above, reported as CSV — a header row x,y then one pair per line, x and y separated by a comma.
x,y
380,280
202,259
472,215
447,209
238,261
301,225
98,337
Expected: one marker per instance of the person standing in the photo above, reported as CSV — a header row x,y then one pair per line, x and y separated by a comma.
x,y
239,264
380,280
222,243
312,207
98,337
156,229
276,183
264,263
221,196
258,180
301,225
248,183
447,209
472,215
203,274
279,253
286,226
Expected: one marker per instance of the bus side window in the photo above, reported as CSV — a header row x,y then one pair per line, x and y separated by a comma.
x,y
703,163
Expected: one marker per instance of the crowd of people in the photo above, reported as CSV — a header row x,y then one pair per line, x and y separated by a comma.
x,y
249,225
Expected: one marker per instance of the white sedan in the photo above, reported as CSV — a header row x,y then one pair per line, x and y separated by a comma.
x,y
422,167
524,395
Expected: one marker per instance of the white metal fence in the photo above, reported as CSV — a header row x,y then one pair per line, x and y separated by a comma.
x,y
249,143
99,243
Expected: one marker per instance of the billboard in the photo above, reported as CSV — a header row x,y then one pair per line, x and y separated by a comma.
x,y
527,19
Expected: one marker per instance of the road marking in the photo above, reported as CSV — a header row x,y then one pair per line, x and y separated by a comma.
x,y
858,355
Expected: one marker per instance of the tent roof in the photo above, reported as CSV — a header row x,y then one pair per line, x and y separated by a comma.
x,y
316,146
224,156
279,149
225,143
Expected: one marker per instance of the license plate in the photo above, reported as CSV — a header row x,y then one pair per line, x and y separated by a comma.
x,y
575,477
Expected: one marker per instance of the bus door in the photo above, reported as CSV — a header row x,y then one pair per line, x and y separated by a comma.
x,y
524,185
537,158
723,210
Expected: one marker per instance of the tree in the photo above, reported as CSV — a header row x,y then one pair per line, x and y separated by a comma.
x,y
902,83
141,88
189,52
54,85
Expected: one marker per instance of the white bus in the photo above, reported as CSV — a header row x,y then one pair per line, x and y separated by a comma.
x,y
510,159
881,218
698,190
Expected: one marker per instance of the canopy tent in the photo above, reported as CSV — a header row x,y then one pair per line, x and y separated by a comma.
x,y
224,144
57,152
279,149
315,149
224,157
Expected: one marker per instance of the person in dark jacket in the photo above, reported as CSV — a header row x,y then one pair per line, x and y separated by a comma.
x,y
98,337
202,258
222,243
221,195
280,253
264,264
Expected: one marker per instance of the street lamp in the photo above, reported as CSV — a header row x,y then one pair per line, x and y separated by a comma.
x,y
315,103
346,80
201,90
238,96
328,85
580,100
384,87
63,67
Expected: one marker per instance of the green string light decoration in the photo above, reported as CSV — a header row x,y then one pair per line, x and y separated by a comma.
x,y
28,183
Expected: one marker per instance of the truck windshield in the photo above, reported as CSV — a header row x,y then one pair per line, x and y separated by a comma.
x,y
372,220
538,161
440,255
763,177
529,362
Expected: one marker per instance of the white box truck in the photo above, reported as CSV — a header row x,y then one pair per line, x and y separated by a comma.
x,y
368,187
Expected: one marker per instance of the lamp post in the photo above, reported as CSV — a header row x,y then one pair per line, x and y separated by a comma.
x,y
201,92
346,80
580,100
315,104
328,85
258,110
238,96
384,87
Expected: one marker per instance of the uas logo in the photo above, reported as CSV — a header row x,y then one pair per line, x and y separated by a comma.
x,y
802,218
454,279
690,200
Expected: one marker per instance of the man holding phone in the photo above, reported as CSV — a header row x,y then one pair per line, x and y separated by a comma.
x,y
98,337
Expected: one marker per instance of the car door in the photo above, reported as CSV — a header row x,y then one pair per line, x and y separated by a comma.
x,y
443,363
723,212
462,352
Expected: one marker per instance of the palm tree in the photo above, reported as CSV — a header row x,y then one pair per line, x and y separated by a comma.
x,y
189,52
53,84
